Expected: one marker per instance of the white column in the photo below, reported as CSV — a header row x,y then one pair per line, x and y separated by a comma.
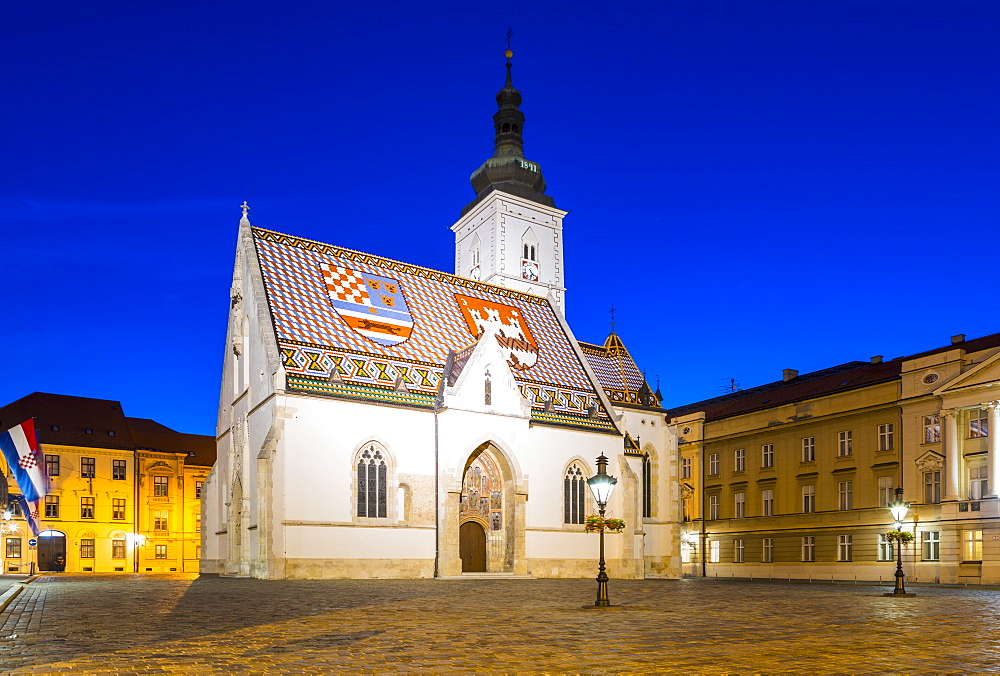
x,y
993,459
952,454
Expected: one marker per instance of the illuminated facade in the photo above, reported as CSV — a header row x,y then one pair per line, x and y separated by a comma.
x,y
124,494
792,479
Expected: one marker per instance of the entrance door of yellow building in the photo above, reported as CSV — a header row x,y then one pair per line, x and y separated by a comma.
x,y
51,551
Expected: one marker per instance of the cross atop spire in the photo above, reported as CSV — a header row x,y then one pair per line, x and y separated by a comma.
x,y
245,207
612,311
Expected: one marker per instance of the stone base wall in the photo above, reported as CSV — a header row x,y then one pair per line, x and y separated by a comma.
x,y
581,568
662,566
357,569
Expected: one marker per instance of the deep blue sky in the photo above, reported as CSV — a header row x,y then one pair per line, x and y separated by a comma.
x,y
755,185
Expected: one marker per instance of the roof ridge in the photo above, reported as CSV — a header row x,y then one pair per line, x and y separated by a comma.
x,y
493,288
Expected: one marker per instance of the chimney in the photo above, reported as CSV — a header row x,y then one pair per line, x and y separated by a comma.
x,y
877,359
958,339
788,374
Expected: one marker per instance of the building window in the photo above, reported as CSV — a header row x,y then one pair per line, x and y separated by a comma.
x,y
197,489
13,548
51,506
808,499
87,548
809,449
931,541
685,468
52,465
86,508
845,547
372,483
89,430
574,495
972,545
978,425
932,429
740,459
118,549
845,443
161,551
809,548
15,507
739,505
846,494
713,507
197,523
88,468
884,548
885,491
160,522
932,487
978,482
713,464
738,551
118,509
713,552
767,455
161,486
767,556
647,487
768,502
886,437
118,470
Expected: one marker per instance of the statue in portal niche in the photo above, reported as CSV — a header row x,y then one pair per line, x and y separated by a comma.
x,y
495,521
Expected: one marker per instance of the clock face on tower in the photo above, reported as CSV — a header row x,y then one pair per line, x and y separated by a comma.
x,y
529,270
475,274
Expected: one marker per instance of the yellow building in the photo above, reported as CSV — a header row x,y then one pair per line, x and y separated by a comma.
x,y
124,495
791,480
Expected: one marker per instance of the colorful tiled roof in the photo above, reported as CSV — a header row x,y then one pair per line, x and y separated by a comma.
x,y
361,326
618,374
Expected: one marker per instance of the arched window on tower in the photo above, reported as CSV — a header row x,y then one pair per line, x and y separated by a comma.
x,y
505,128
372,482
574,494
529,259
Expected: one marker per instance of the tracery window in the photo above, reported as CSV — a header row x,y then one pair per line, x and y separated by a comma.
x,y
574,497
372,483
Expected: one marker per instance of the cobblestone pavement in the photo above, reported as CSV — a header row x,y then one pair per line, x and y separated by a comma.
x,y
185,624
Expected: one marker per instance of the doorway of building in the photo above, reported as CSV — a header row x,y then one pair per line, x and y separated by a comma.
x,y
52,551
472,547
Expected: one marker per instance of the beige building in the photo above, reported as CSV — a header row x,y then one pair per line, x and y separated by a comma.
x,y
124,494
792,479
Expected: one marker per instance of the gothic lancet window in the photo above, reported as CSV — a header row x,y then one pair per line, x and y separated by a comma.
x,y
372,482
574,496
647,487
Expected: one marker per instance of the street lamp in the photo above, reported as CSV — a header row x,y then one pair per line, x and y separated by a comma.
x,y
898,508
601,485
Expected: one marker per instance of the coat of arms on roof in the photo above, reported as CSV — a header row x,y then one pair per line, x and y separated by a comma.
x,y
507,323
372,305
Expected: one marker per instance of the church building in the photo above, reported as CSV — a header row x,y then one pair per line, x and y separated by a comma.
x,y
379,419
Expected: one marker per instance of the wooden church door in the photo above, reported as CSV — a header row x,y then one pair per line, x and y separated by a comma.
x,y
472,547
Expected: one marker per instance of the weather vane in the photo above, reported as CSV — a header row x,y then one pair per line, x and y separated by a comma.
x,y
612,311
509,53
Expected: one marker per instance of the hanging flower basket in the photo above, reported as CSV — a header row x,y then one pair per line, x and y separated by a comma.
x,y
596,522
903,536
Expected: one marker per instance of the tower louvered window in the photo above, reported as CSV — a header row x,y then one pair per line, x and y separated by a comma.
x,y
371,483
573,495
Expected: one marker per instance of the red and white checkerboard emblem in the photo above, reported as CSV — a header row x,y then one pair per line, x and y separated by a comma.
x,y
346,285
28,461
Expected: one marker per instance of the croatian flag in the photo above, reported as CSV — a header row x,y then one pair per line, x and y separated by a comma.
x,y
20,448
30,510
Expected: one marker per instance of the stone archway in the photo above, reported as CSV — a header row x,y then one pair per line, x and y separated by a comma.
x,y
490,496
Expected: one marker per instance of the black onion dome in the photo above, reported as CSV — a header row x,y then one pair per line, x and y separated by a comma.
x,y
508,170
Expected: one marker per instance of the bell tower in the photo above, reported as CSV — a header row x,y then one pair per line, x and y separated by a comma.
x,y
510,234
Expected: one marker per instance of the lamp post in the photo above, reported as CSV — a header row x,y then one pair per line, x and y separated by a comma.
x,y
898,508
601,485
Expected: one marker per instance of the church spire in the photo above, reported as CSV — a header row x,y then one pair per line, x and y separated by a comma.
x,y
508,170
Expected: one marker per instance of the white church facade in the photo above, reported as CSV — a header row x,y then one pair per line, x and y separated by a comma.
x,y
379,419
